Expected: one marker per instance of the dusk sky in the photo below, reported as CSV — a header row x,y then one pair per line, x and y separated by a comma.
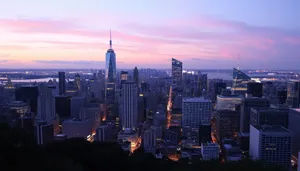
x,y
203,34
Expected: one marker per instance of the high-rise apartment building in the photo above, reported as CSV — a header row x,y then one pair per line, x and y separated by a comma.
x,y
61,83
271,144
129,102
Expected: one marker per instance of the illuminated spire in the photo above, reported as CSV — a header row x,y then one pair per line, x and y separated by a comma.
x,y
110,42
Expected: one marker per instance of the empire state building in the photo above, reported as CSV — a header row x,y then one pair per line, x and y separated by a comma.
x,y
110,74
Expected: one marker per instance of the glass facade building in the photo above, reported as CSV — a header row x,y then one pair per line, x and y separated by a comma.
x,y
176,73
110,75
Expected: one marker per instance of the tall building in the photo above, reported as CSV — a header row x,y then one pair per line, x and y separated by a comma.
x,y
62,83
294,126
195,111
136,76
77,81
293,94
210,151
205,132
110,74
228,101
124,76
271,144
28,94
240,80
63,106
281,96
269,116
176,73
129,102
228,123
46,104
149,139
255,89
218,88
247,104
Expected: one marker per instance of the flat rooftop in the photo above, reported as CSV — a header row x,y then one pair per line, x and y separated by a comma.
x,y
196,99
271,128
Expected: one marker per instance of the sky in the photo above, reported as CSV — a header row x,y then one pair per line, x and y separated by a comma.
x,y
203,34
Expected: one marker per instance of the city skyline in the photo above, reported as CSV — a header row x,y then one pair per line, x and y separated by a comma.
x,y
201,34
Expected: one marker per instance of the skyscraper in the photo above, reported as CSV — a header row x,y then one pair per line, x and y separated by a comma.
x,y
110,74
176,73
46,104
271,145
247,104
293,94
136,76
129,100
62,83
240,81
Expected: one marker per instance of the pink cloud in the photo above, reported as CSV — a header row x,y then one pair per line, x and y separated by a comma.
x,y
203,38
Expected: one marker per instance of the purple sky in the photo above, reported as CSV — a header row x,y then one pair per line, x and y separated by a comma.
x,y
204,34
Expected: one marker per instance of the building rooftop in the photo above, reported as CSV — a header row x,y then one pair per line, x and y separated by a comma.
x,y
196,99
209,144
229,96
271,128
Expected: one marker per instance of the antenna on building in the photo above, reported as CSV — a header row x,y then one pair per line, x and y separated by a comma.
x,y
238,61
110,41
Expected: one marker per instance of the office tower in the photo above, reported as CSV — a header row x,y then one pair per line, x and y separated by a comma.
x,y
110,74
63,106
218,88
46,104
129,100
136,76
103,133
204,132
77,81
247,104
176,73
77,104
281,96
271,144
124,76
149,140
44,132
254,89
293,94
204,81
294,126
61,83
240,80
227,101
195,111
210,151
28,94
228,123
269,116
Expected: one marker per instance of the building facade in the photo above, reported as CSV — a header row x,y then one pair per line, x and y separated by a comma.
x,y
271,144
